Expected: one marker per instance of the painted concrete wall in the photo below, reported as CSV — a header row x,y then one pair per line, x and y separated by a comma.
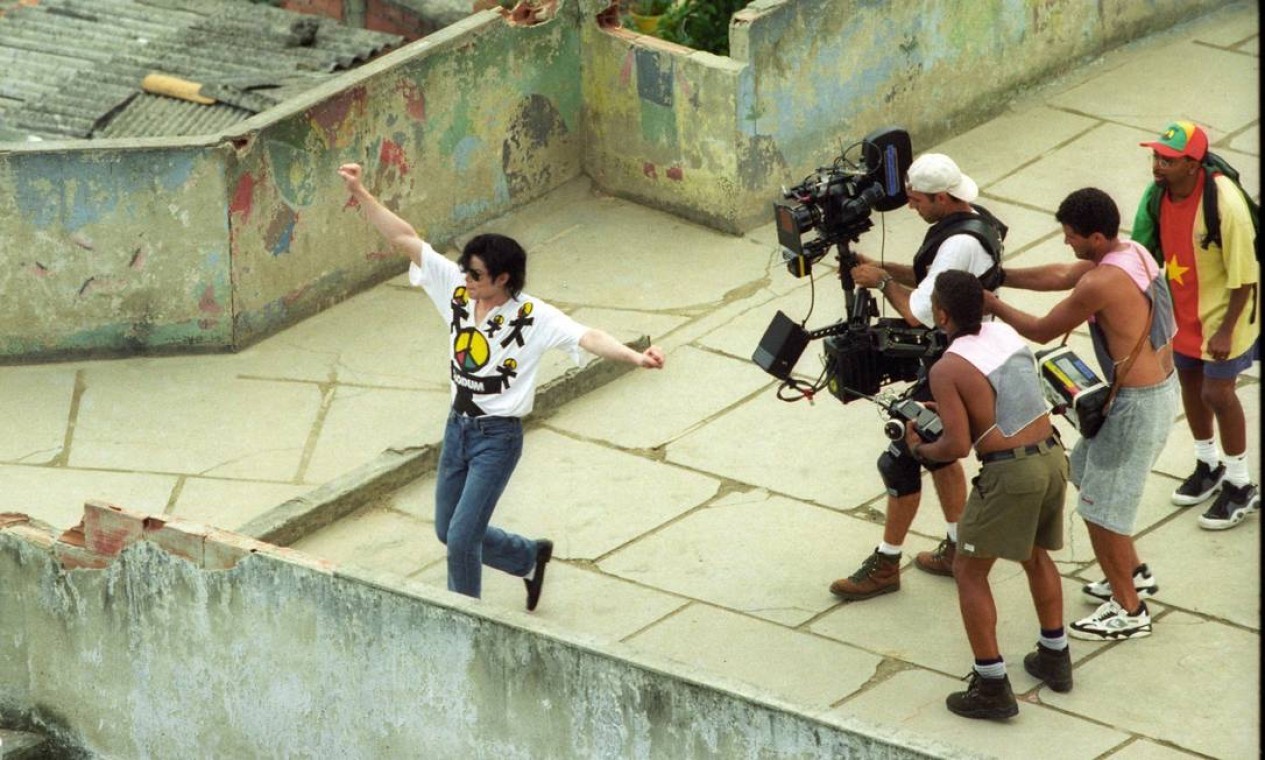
x,y
829,71
806,75
663,124
453,130
118,247
113,249
410,20
166,640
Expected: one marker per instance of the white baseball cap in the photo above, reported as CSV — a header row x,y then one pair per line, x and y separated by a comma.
x,y
936,173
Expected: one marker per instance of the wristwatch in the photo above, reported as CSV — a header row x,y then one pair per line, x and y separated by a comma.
x,y
882,284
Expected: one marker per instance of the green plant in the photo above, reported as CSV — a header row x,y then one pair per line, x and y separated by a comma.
x,y
651,7
700,24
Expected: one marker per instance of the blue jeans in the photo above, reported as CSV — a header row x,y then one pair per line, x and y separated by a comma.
x,y
478,456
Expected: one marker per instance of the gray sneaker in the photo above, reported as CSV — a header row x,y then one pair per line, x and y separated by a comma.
x,y
1232,505
1201,484
1143,582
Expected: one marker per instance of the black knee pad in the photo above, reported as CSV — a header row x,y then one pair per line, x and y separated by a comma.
x,y
901,473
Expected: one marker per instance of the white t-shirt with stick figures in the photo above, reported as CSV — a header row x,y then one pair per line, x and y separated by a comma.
x,y
493,365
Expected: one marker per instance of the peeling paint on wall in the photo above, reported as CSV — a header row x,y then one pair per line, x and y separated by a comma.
x,y
414,100
193,642
280,231
525,159
654,76
391,156
243,197
101,243
335,119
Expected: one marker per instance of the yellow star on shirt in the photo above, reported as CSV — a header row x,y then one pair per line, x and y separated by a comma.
x,y
1175,271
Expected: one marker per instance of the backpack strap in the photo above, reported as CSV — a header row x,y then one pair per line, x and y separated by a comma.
x,y
1215,166
1212,213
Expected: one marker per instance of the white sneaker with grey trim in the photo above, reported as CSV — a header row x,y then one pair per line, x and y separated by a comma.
x,y
1143,583
1111,622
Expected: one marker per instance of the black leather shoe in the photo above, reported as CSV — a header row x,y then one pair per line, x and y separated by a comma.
x,y
544,551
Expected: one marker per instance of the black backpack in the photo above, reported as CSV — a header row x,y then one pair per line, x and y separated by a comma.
x,y
1214,164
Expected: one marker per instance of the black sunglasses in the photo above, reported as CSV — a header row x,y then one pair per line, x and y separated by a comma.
x,y
473,274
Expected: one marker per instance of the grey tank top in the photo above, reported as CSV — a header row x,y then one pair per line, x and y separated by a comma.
x,y
1001,356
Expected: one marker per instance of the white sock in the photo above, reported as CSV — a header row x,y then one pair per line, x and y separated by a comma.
x,y
952,530
1236,470
1206,452
992,669
889,549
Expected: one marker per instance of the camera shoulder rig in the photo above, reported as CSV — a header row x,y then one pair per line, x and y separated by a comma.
x,y
982,225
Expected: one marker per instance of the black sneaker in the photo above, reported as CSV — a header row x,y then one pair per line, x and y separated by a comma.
x,y
1232,505
1201,484
536,583
989,698
1054,666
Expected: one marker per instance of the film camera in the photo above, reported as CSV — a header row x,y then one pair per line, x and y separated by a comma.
x,y
862,352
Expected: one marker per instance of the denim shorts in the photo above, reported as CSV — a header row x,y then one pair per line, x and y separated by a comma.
x,y
1226,370
1111,468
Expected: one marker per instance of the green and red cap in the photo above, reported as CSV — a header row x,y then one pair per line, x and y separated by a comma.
x,y
1180,139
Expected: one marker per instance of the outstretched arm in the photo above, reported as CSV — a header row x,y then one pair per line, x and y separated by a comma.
x,y
1048,277
1090,294
602,344
399,233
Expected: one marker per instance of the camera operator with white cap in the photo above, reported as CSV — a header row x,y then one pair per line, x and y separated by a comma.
x,y
962,236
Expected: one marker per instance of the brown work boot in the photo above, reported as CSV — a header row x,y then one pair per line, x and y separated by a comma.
x,y
940,561
879,574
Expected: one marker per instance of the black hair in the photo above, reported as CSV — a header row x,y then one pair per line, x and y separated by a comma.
x,y
501,255
1090,210
961,295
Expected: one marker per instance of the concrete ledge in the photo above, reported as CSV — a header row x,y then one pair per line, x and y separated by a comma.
x,y
142,649
21,745
400,465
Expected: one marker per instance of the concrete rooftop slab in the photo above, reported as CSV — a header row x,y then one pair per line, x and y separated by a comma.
x,y
697,519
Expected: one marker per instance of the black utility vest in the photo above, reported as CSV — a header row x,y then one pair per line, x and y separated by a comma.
x,y
982,226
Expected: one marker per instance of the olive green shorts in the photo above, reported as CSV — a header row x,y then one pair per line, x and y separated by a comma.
x,y
1015,504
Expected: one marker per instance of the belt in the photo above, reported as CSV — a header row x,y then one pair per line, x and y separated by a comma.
x,y
1019,452
481,421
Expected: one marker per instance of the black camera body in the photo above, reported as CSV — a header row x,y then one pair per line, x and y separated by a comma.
x,y
837,201
927,424
866,356
862,352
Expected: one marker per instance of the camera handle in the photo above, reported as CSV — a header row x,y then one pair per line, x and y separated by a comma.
x,y
904,409
861,308
848,259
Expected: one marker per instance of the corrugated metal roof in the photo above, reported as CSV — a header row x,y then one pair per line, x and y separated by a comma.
x,y
73,68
